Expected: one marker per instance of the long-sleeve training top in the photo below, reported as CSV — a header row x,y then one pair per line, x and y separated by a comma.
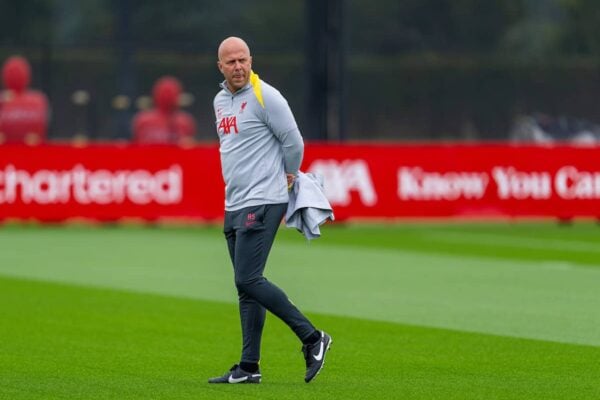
x,y
259,143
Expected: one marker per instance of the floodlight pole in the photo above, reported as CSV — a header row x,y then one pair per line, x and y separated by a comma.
x,y
326,70
125,70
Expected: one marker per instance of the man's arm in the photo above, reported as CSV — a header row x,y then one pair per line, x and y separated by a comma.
x,y
293,151
283,125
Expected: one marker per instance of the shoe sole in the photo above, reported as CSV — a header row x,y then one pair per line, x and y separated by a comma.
x,y
222,381
236,383
324,357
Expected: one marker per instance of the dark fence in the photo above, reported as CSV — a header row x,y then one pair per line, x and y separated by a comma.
x,y
413,70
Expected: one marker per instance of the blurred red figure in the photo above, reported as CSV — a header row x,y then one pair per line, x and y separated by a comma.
x,y
164,124
23,112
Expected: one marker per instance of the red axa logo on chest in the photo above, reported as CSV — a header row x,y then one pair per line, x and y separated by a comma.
x,y
227,123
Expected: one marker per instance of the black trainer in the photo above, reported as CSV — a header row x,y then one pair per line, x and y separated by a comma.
x,y
237,375
314,354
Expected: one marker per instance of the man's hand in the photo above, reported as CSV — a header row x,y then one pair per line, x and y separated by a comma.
x,y
290,180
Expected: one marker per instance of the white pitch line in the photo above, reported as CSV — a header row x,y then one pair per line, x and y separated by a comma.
x,y
524,242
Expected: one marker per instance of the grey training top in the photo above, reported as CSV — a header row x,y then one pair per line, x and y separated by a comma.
x,y
259,143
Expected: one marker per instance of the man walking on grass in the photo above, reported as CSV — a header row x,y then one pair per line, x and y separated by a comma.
x,y
261,150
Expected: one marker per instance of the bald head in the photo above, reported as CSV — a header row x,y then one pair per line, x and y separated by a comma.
x,y
233,44
235,62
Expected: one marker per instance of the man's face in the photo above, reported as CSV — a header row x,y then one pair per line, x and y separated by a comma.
x,y
235,64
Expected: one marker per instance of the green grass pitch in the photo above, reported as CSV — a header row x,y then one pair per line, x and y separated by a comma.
x,y
417,311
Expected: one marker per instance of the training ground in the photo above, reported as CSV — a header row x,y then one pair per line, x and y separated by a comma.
x,y
417,311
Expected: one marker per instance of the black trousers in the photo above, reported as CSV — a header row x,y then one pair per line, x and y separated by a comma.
x,y
250,233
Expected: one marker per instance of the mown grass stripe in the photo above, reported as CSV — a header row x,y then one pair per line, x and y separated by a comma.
x,y
61,341
473,238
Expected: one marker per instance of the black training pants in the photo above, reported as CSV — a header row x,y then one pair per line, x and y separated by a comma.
x,y
250,232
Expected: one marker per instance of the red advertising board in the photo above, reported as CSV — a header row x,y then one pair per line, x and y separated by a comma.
x,y
460,180
111,182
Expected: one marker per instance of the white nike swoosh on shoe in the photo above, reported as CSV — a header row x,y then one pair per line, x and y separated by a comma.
x,y
319,356
237,380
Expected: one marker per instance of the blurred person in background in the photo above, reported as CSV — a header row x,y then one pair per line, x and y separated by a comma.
x,y
261,151
165,123
23,112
